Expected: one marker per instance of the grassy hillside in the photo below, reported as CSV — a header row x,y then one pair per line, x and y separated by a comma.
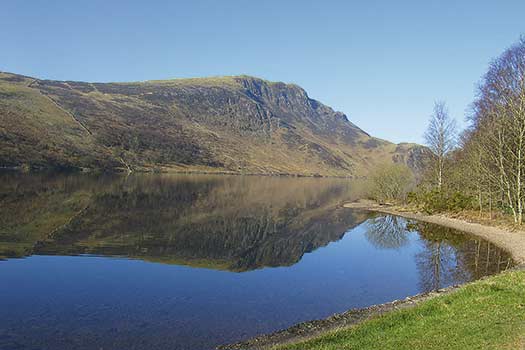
x,y
224,124
34,131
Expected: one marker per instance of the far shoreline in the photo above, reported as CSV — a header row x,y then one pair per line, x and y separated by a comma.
x,y
166,171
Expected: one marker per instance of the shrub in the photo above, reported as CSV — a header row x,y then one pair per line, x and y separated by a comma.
x,y
391,182
435,201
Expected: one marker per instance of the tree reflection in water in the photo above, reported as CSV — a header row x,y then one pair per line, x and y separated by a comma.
x,y
450,257
387,232
444,256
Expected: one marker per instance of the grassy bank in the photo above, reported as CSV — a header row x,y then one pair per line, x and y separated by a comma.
x,y
488,314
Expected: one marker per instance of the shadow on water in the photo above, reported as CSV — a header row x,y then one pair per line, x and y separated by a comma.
x,y
190,262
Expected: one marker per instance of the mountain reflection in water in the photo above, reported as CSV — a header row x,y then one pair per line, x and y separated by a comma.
x,y
221,222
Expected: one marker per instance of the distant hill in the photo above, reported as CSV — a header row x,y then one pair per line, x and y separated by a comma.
x,y
226,124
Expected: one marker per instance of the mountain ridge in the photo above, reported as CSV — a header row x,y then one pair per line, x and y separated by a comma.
x,y
233,124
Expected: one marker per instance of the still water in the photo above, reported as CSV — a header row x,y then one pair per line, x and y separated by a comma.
x,y
191,262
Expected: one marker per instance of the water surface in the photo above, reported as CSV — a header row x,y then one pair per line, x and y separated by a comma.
x,y
191,262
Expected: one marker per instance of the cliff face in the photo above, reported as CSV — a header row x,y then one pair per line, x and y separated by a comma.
x,y
232,124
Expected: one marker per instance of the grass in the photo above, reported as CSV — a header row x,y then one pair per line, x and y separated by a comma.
x,y
488,314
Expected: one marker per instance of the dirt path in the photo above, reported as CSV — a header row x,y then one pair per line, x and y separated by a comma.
x,y
511,241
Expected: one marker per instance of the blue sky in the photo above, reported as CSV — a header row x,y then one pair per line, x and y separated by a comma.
x,y
383,63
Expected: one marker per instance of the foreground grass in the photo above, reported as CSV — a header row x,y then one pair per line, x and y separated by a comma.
x,y
488,314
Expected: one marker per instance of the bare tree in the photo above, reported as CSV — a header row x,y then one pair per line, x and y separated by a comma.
x,y
500,119
490,161
441,138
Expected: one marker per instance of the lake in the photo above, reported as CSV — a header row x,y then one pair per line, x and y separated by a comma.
x,y
194,261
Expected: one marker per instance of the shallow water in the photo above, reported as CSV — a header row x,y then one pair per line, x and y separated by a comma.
x,y
191,262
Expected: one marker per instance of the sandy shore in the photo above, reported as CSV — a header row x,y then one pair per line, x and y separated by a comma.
x,y
511,241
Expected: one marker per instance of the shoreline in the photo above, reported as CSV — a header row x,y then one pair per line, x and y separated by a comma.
x,y
511,241
167,171
311,329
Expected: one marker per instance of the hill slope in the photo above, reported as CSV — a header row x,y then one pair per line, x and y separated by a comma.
x,y
231,124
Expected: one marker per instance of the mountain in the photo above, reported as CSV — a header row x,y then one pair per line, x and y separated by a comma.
x,y
235,124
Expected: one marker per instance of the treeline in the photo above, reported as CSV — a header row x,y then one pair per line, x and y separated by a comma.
x,y
481,168
484,167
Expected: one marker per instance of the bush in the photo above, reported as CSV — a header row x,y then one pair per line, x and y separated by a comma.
x,y
390,182
435,201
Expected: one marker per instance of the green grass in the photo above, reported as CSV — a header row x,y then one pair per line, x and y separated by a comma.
x,y
488,314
